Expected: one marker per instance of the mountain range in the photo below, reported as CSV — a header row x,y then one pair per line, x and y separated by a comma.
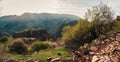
x,y
52,23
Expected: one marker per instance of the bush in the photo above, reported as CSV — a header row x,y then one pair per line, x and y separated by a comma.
x,y
39,46
101,22
18,46
4,39
1,60
76,35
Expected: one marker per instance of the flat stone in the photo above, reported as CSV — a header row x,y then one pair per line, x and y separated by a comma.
x,y
95,58
56,59
92,53
94,49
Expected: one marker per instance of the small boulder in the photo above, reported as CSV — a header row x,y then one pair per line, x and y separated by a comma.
x,y
93,48
56,60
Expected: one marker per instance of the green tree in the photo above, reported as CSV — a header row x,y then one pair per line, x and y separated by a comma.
x,y
102,18
102,12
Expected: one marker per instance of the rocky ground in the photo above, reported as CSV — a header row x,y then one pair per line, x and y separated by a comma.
x,y
107,50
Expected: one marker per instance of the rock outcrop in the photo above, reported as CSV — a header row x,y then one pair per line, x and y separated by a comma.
x,y
107,50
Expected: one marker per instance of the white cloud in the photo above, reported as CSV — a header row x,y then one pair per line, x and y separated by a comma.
x,y
21,6
75,7
80,6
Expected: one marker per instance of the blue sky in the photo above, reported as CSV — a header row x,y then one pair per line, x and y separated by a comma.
x,y
75,7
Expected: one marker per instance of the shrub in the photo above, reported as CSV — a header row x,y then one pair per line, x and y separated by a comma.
x,y
18,46
101,22
76,35
39,46
4,39
1,60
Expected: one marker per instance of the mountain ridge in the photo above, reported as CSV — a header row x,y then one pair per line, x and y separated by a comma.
x,y
49,21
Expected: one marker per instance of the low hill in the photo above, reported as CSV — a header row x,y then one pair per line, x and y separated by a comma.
x,y
2,33
39,34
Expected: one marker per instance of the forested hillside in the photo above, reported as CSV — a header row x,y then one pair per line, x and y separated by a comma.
x,y
52,23
40,34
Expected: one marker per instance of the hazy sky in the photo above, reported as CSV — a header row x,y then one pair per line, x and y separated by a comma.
x,y
75,7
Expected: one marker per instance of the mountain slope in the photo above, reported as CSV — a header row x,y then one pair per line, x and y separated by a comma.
x,y
52,23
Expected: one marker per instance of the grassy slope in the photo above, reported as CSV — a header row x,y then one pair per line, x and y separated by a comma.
x,y
43,54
